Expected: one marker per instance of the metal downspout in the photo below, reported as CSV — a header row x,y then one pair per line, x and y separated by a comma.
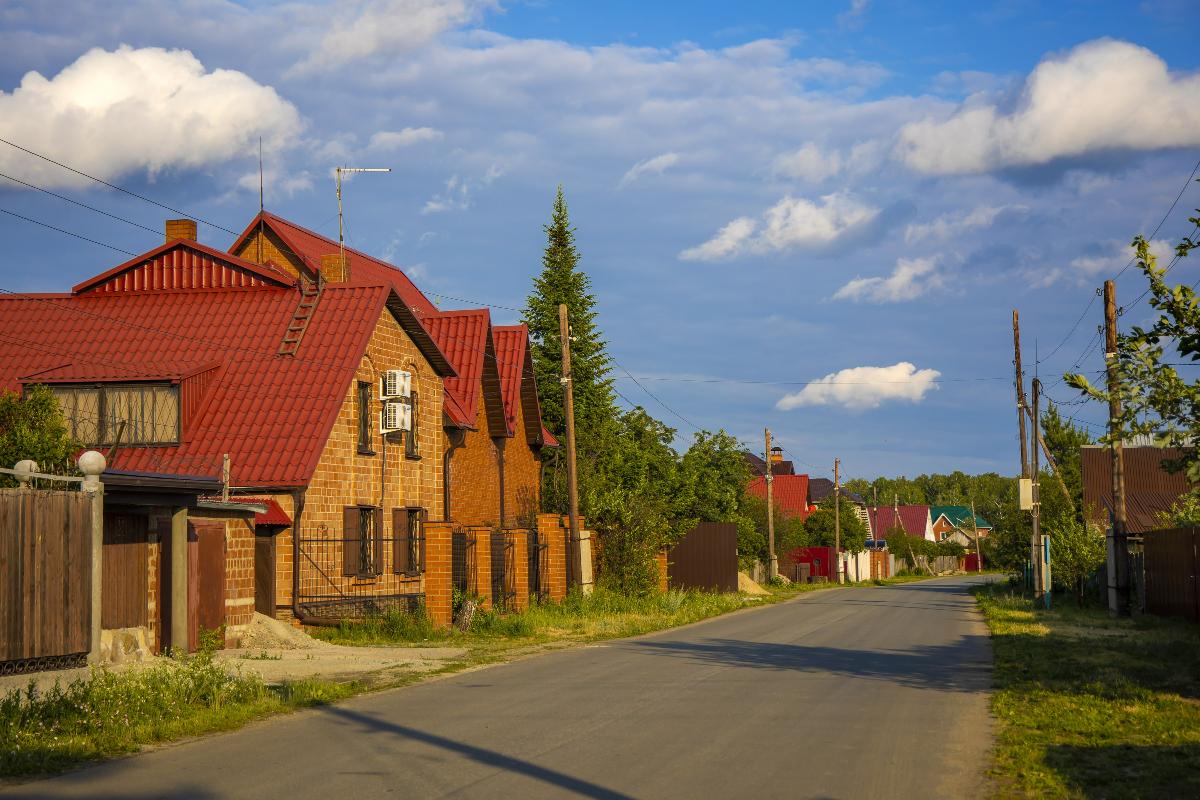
x,y
298,514
456,438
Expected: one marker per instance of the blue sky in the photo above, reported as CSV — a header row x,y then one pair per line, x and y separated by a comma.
x,y
766,193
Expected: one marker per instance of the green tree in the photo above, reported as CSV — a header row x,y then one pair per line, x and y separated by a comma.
x,y
1064,441
1076,552
819,527
562,281
33,427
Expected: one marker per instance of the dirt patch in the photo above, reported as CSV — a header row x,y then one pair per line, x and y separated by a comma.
x,y
747,585
273,634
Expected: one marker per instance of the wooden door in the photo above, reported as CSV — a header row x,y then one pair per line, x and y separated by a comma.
x,y
264,572
210,563
124,601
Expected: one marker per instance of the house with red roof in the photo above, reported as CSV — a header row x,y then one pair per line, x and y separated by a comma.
x,y
492,430
321,400
789,493
914,519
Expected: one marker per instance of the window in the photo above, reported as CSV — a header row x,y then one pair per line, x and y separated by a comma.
x,y
137,413
408,541
362,541
411,449
364,418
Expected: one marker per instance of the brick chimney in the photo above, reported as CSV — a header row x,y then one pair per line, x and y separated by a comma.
x,y
333,268
181,229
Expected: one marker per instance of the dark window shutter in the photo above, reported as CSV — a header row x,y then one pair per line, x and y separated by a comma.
x,y
422,515
400,563
350,540
377,532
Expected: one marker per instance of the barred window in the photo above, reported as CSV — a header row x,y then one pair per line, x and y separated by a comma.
x,y
411,442
362,541
364,418
105,414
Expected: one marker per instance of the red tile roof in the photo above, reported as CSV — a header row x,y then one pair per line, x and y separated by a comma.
x,y
519,386
463,337
913,519
183,264
789,492
275,515
271,414
309,246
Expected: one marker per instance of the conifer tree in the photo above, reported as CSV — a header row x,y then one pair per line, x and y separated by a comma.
x,y
561,281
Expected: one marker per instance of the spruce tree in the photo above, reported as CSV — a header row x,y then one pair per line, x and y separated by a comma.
x,y
561,281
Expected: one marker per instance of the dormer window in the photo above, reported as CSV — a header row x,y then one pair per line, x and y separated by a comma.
x,y
120,413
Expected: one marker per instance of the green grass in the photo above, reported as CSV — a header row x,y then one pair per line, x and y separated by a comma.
x,y
1089,706
112,713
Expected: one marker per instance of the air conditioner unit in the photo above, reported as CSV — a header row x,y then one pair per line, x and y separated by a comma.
x,y
395,417
395,383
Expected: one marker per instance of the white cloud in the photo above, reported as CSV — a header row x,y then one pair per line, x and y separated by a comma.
x,y
1117,256
809,163
1102,95
852,17
394,140
654,166
111,113
911,278
948,225
789,224
860,388
359,29
458,192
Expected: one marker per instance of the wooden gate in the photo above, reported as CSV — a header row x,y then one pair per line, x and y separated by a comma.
x,y
264,572
126,561
1171,563
45,578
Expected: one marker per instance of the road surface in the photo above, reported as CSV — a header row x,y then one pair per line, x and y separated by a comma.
x,y
873,692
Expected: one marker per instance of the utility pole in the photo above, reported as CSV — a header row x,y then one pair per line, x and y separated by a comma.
x,y
975,527
564,335
837,517
773,560
1118,555
1062,485
1035,540
1020,393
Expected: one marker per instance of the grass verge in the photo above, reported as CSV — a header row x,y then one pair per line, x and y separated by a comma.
x,y
113,713
1090,706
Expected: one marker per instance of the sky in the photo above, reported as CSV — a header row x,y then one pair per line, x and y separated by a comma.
x,y
813,217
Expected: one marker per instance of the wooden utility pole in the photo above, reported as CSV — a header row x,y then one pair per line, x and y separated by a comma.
x,y
1062,485
1035,538
564,335
975,527
1020,394
1118,555
772,560
837,517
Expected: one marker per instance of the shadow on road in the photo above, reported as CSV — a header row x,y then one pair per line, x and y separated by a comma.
x,y
964,666
480,755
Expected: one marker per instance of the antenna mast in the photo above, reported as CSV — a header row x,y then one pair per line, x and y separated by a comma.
x,y
341,230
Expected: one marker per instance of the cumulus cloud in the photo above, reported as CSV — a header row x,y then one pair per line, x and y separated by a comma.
x,y
654,166
111,113
951,224
360,29
809,163
852,17
911,278
1103,95
458,193
861,388
394,140
792,223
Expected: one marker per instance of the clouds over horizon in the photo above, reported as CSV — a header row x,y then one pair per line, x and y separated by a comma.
x,y
864,388
1089,100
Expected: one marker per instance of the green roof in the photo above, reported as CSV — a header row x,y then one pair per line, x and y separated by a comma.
x,y
959,516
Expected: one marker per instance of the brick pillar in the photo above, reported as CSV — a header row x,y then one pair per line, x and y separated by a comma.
x,y
520,548
439,579
661,558
482,536
550,531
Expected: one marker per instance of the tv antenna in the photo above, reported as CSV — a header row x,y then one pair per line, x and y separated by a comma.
x,y
339,171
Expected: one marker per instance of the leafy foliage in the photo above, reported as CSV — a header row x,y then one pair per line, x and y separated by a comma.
x,y
819,528
33,427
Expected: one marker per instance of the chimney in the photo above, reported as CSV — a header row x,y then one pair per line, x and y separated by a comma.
x,y
776,455
181,229
332,268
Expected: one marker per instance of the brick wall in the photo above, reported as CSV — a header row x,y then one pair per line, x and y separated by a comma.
x,y
475,473
438,577
522,475
551,532
273,250
386,478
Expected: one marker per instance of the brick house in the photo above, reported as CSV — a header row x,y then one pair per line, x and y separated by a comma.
x,y
788,491
948,520
185,355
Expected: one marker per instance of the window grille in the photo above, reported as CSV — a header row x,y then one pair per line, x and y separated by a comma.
x,y
411,442
364,417
139,413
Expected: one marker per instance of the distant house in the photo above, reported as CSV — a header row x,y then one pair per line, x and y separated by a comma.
x,y
914,519
1150,490
821,488
947,520
759,467
789,493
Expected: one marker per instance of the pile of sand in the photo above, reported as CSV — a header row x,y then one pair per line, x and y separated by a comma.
x,y
265,633
746,585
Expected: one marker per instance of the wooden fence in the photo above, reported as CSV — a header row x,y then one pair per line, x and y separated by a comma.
x,y
706,558
45,577
1171,564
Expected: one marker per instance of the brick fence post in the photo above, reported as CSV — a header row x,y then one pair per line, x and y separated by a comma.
x,y
439,578
519,540
550,531
482,536
663,581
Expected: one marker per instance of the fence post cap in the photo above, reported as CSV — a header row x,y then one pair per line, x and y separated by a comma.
x,y
24,468
91,464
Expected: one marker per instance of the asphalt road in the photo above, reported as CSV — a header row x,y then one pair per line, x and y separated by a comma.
x,y
875,692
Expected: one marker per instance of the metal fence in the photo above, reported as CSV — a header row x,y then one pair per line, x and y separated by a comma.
x,y
1171,572
504,568
706,559
539,567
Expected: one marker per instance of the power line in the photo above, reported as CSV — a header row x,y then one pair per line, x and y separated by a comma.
x,y
76,202
67,232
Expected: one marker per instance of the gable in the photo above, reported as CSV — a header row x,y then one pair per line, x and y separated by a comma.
x,y
183,264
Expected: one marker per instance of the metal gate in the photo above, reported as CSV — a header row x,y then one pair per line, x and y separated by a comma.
x,y
504,570
462,561
539,563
